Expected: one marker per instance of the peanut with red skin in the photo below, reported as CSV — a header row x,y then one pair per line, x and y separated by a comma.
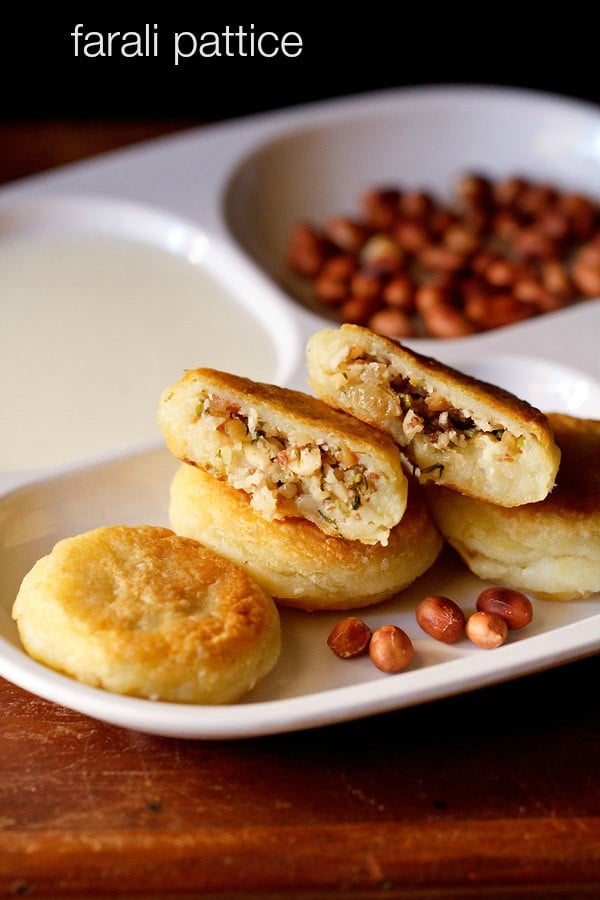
x,y
391,649
391,323
415,204
349,638
441,618
399,292
358,310
307,250
512,606
381,207
346,234
365,284
341,266
428,296
411,234
438,256
444,321
330,291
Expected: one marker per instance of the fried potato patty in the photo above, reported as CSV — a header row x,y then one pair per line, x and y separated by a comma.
x,y
453,429
292,454
145,612
550,548
294,560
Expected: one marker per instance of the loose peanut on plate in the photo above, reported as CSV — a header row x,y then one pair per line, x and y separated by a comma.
x,y
391,649
349,638
512,606
486,630
440,618
502,250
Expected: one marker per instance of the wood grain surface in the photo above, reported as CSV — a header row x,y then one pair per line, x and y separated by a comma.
x,y
492,794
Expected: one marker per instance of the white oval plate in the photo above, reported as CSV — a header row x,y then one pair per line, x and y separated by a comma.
x,y
309,686
222,198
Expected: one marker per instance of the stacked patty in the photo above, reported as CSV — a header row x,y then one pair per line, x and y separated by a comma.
x,y
314,502
516,492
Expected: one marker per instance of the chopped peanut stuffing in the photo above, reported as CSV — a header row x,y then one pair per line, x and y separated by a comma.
x,y
331,482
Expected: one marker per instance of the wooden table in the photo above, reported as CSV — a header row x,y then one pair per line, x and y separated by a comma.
x,y
495,793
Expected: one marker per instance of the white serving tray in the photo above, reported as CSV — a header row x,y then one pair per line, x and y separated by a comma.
x,y
221,199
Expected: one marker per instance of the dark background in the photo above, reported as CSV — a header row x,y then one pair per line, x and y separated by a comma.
x,y
381,48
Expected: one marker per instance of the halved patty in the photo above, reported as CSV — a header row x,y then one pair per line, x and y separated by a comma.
x,y
453,429
290,452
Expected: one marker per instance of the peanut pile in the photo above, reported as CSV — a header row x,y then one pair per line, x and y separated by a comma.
x,y
499,252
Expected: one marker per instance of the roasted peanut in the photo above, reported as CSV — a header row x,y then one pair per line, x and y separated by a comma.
x,y
381,253
441,618
486,630
341,266
440,220
391,649
502,251
349,638
507,224
411,234
444,321
366,284
506,192
399,292
527,289
346,233
582,215
381,207
430,295
495,311
437,256
415,204
391,323
473,188
358,310
307,251
460,239
585,270
555,278
586,278
512,606
330,290
533,243
534,199
554,224
502,273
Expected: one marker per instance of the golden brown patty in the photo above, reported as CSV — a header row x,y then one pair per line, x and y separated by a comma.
x,y
142,611
291,453
453,429
550,548
295,561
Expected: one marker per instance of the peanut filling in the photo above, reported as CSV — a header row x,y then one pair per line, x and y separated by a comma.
x,y
322,482
410,409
